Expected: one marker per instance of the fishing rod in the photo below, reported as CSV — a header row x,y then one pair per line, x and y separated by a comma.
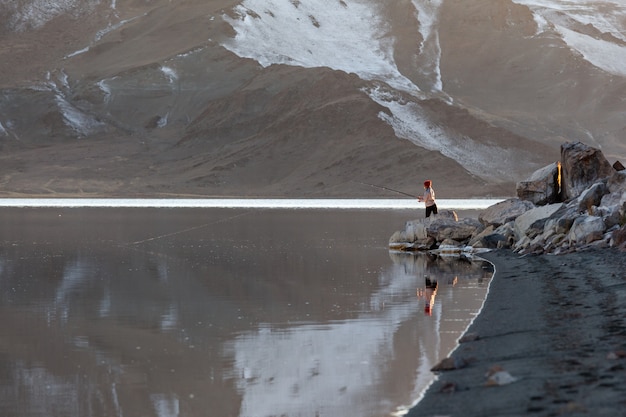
x,y
386,188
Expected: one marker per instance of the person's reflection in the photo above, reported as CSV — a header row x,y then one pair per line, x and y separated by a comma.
x,y
428,292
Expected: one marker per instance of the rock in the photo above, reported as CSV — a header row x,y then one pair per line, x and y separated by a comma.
x,y
614,200
500,378
496,376
450,243
553,242
415,230
536,229
504,212
469,337
407,242
612,216
618,354
502,237
522,244
618,166
507,230
619,237
450,247
445,214
562,219
592,196
449,388
584,227
581,167
480,239
459,231
594,237
542,187
427,234
492,241
449,364
617,182
593,214
527,219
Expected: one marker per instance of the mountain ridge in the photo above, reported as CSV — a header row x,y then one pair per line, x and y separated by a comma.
x,y
129,98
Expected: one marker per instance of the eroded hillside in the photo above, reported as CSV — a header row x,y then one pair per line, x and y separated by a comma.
x,y
291,98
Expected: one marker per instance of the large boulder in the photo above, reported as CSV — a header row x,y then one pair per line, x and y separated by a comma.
x,y
542,187
592,197
617,181
586,229
430,233
562,219
536,218
613,204
581,166
502,237
504,212
459,231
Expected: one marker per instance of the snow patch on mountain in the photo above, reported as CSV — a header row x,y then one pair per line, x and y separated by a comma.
x,y
80,122
170,74
106,89
595,29
345,35
352,37
608,56
102,33
430,48
80,51
36,13
75,118
408,122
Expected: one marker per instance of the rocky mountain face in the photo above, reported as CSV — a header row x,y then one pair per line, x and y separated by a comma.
x,y
299,99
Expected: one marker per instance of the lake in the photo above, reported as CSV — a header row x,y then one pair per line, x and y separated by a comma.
x,y
223,311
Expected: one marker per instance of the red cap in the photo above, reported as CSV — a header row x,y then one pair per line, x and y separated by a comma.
x,y
427,183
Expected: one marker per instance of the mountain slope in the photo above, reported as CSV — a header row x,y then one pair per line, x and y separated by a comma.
x,y
289,98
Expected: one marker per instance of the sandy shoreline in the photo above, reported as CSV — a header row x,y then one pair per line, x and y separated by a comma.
x,y
555,323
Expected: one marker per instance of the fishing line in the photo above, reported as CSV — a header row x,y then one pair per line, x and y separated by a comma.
x,y
190,229
386,188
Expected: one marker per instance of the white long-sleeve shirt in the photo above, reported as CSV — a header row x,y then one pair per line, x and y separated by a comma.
x,y
429,197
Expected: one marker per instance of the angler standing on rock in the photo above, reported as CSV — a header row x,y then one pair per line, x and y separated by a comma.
x,y
428,198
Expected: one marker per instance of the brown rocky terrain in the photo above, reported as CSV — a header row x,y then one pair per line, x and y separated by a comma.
x,y
141,98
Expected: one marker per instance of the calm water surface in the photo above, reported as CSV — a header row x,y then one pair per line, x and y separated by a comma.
x,y
221,312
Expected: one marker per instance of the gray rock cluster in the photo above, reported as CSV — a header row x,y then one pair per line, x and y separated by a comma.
x,y
576,203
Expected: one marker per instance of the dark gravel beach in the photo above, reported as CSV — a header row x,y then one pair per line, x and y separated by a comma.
x,y
550,341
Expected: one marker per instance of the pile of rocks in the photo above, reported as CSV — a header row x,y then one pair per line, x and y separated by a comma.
x,y
577,203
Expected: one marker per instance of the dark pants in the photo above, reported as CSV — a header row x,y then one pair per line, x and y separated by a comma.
x,y
431,209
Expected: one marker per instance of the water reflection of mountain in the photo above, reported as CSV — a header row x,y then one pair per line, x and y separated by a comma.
x,y
126,315
323,366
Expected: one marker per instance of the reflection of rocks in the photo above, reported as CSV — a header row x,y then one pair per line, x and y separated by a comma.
x,y
444,269
577,203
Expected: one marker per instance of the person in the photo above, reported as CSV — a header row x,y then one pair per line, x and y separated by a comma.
x,y
428,198
429,292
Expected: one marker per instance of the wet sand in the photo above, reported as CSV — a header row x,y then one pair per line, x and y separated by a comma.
x,y
557,324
